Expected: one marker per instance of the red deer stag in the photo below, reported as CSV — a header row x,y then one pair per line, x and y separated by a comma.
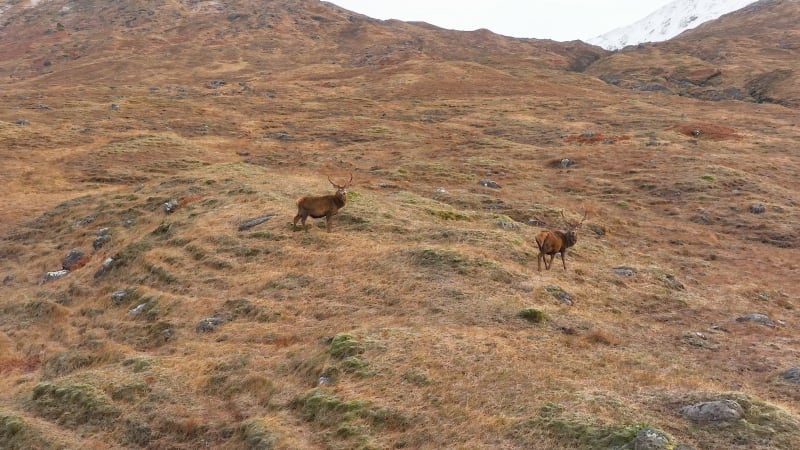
x,y
551,242
325,206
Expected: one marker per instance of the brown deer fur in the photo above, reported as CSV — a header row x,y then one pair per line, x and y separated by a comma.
x,y
325,206
551,242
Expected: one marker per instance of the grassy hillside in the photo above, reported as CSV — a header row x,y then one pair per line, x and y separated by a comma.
x,y
421,320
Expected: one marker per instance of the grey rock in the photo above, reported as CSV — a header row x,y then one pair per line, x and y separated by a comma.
x,y
560,294
534,222
566,162
100,241
758,208
56,274
74,259
86,220
650,439
107,265
171,205
721,412
507,224
114,107
624,271
699,339
8,279
22,121
792,375
208,324
758,318
250,223
120,296
489,184
673,283
214,84
136,310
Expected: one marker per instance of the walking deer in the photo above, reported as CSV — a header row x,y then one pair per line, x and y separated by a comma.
x,y
325,206
551,242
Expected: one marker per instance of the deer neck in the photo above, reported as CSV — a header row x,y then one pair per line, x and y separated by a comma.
x,y
340,200
569,238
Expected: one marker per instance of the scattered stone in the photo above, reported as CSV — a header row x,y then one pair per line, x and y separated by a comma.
x,y
22,121
100,241
597,229
9,279
650,439
758,208
624,271
214,84
86,220
560,294
107,265
507,224
167,333
56,274
137,309
250,223
673,283
171,205
758,318
121,296
566,162
385,185
127,223
719,412
792,375
208,325
534,222
75,259
114,107
324,379
489,184
243,153
699,340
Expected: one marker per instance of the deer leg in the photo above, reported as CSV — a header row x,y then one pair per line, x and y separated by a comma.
x,y
294,222
551,261
328,222
562,261
539,261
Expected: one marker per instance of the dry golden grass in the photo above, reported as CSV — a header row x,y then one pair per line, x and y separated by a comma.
x,y
402,327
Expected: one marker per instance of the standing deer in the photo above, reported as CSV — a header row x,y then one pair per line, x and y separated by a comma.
x,y
551,242
325,206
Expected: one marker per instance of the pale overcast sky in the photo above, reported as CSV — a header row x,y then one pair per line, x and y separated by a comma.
x,y
560,20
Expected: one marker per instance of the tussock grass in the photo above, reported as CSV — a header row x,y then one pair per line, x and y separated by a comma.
x,y
400,328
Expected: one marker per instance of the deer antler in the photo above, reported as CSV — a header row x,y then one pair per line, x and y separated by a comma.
x,y
331,181
349,181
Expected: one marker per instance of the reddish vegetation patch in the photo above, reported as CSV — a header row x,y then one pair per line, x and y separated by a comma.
x,y
589,137
25,365
706,131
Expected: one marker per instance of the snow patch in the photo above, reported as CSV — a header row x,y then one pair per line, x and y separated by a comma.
x,y
668,22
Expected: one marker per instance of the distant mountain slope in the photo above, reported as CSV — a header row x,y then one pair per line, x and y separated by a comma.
x,y
750,54
667,22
